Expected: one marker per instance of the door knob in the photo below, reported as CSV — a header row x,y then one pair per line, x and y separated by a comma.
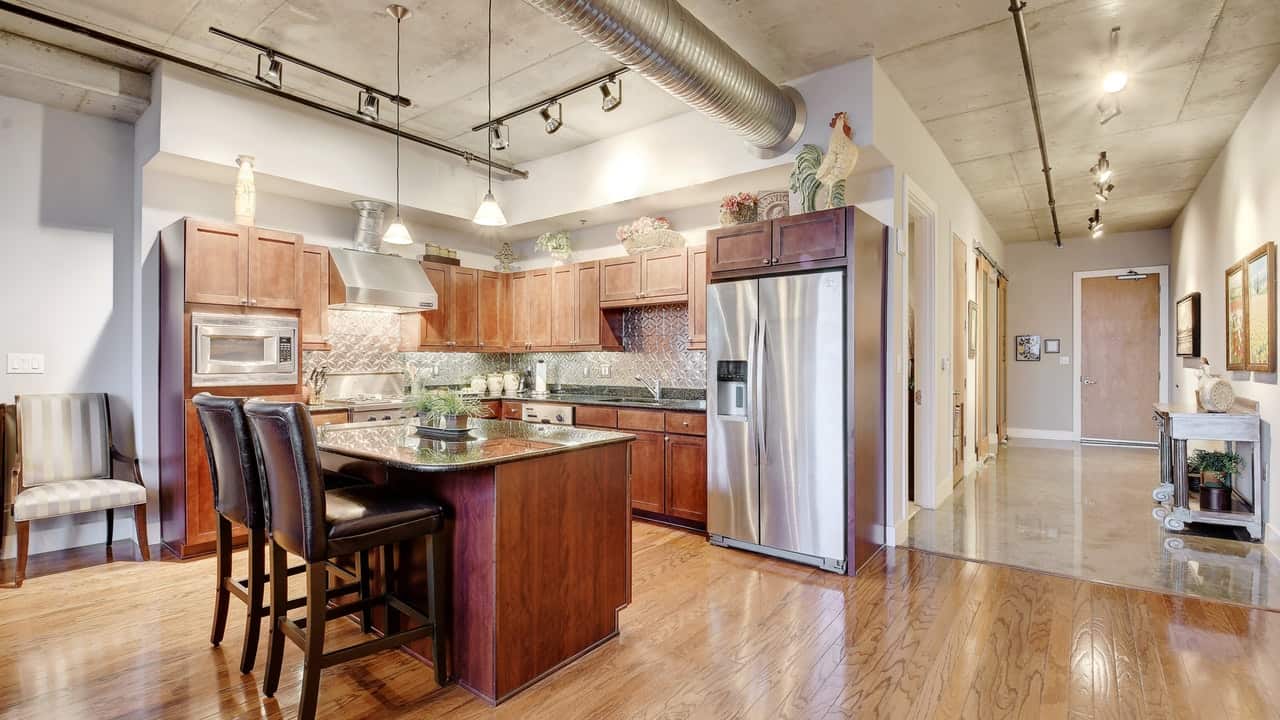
x,y
1088,380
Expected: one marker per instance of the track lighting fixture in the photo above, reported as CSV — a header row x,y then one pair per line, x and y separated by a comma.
x,y
609,101
1114,75
552,124
367,105
1101,170
1095,224
273,75
490,212
397,233
1103,190
498,135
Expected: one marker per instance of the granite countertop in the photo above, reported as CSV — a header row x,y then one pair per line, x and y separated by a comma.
x,y
573,398
493,442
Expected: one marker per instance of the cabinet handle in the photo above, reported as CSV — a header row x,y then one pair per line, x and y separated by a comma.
x,y
767,261
253,302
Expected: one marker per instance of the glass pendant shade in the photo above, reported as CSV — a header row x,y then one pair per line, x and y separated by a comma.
x,y
489,213
397,233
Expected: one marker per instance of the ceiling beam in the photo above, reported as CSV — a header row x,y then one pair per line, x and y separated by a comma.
x,y
50,75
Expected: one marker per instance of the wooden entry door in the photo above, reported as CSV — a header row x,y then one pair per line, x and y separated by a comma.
x,y
1119,357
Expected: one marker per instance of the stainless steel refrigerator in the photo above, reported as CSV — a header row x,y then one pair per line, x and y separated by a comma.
x,y
776,425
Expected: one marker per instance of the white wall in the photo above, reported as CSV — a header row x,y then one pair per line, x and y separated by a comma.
x,y
66,249
1041,301
1235,210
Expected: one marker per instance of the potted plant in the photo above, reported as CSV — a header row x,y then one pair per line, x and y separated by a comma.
x,y
1216,469
448,408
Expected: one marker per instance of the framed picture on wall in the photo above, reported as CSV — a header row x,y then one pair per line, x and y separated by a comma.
x,y
973,329
1187,314
1027,348
1237,331
1260,308
1052,345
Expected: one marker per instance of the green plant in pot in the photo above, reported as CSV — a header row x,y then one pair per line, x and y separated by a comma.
x,y
447,408
1216,469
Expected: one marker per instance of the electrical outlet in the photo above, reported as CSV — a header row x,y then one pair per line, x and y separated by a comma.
x,y
25,363
604,371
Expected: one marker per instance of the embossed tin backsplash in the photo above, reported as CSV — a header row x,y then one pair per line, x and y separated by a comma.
x,y
655,340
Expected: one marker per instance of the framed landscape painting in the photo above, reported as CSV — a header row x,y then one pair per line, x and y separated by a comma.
x,y
1260,308
1188,332
1237,331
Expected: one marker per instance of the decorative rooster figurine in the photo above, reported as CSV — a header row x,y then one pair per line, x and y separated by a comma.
x,y
814,170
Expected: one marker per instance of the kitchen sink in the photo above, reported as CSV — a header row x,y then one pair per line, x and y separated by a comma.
x,y
628,401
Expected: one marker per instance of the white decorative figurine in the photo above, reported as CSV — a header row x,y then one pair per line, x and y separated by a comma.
x,y
246,194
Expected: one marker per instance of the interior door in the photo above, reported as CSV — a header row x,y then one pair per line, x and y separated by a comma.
x,y
982,396
733,473
800,402
1119,357
959,353
1002,358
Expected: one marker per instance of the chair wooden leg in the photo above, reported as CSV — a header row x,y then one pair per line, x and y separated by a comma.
x,y
279,606
254,612
24,540
389,587
140,530
111,525
362,570
221,596
313,652
437,602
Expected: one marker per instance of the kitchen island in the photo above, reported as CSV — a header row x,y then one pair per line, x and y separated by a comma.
x,y
539,531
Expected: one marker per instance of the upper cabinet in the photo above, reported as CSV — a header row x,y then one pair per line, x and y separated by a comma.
x,y
698,298
238,265
654,278
314,320
784,243
493,311
464,298
468,316
531,303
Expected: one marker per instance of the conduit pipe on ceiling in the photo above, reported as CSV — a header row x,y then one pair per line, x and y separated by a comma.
x,y
1020,27
662,41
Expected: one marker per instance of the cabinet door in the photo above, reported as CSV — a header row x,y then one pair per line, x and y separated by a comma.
x,y
493,408
740,247
202,519
812,236
620,279
275,269
434,324
313,322
217,260
518,290
588,303
648,472
464,294
687,477
698,298
539,308
564,310
666,275
512,410
493,311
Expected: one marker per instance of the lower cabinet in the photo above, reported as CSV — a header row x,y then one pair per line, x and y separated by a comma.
x,y
648,472
686,460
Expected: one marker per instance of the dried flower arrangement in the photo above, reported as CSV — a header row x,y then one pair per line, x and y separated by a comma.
x,y
739,208
554,243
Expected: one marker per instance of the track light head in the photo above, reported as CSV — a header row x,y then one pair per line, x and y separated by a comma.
x,y
1103,191
549,123
1115,77
498,137
1095,224
273,74
608,100
1101,170
367,105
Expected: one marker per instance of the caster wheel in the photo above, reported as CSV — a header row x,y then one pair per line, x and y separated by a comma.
x,y
1174,543
1160,513
1174,524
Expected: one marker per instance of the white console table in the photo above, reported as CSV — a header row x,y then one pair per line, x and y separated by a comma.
x,y
1241,425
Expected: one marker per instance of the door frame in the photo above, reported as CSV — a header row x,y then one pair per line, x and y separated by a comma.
x,y
1077,346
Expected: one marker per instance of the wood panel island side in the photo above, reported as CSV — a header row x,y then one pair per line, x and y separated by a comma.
x,y
539,532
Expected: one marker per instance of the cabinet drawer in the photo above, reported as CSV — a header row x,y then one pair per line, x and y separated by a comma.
x,y
592,416
686,423
495,409
329,417
512,410
648,420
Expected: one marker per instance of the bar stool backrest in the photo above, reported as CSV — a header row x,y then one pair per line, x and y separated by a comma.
x,y
291,473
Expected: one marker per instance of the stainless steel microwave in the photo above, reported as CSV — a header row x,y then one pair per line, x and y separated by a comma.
x,y
230,350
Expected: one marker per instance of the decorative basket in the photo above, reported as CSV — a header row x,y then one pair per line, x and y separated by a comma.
x,y
653,240
1216,394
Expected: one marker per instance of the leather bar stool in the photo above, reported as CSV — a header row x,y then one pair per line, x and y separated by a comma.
x,y
238,498
318,524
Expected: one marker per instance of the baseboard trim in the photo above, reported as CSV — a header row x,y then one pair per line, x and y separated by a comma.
x,y
1034,434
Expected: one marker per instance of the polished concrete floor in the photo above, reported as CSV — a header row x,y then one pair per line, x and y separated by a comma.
x,y
1085,512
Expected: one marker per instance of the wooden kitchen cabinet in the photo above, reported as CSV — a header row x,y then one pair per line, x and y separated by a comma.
x,y
812,240
538,298
518,331
654,278
329,417
686,477
740,247
648,472
698,298
809,237
464,317
456,323
275,269
620,280
512,410
217,263
564,306
313,322
493,408
493,311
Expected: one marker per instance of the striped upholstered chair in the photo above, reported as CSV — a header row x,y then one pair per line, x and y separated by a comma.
x,y
65,465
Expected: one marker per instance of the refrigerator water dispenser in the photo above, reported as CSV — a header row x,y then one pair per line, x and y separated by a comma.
x,y
731,387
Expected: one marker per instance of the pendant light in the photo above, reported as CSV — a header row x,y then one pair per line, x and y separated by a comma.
x,y
397,233
490,213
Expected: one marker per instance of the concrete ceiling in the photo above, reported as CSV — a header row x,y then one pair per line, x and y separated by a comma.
x,y
1195,66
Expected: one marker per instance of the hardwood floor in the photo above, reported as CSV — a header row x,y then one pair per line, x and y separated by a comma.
x,y
711,633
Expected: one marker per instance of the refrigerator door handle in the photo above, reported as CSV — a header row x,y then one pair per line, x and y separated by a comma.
x,y
762,440
753,401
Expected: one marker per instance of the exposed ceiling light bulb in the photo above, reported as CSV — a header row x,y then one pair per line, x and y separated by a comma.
x,y
608,101
1115,81
549,123
273,75
498,140
1115,78
397,233
368,105
490,212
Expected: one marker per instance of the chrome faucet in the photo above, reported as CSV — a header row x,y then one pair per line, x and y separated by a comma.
x,y
655,388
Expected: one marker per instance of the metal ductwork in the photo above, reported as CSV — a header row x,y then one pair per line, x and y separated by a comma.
x,y
666,44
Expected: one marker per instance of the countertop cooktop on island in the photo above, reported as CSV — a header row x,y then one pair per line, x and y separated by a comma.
x,y
491,442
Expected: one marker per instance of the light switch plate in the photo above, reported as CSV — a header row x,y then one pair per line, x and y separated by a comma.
x,y
1064,360
25,363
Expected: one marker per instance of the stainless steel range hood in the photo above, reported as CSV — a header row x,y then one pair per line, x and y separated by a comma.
x,y
363,280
